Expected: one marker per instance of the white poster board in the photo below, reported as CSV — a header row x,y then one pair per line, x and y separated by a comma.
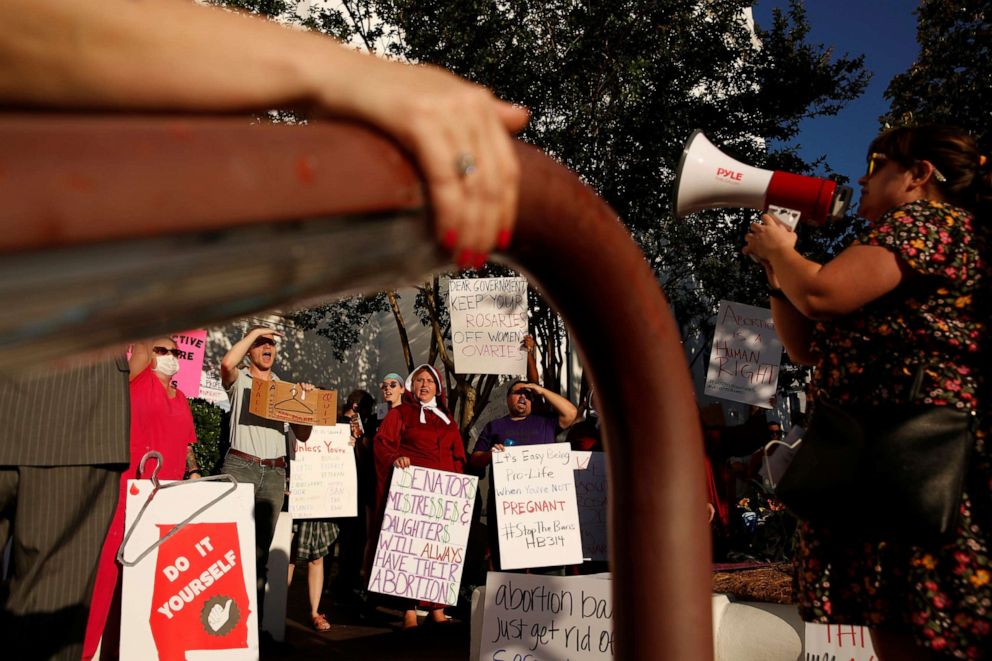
x,y
745,356
196,591
838,641
536,512
591,490
420,553
488,325
212,390
547,618
323,480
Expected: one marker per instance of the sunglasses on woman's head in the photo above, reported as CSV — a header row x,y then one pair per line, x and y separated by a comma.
x,y
161,351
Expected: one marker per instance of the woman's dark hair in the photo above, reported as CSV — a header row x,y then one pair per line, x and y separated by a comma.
x,y
953,152
364,400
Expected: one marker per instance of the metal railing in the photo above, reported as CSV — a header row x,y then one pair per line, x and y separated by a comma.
x,y
116,227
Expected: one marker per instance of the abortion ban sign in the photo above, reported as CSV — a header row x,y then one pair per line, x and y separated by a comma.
x,y
488,325
536,510
745,357
547,618
421,549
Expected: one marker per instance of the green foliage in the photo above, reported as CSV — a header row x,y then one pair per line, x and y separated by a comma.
x,y
614,90
341,322
949,82
206,420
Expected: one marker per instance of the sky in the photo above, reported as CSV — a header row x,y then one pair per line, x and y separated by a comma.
x,y
884,31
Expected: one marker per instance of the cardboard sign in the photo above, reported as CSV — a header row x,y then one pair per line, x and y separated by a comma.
x,y
420,553
536,510
323,480
192,345
838,642
196,590
547,618
488,325
745,357
286,401
591,490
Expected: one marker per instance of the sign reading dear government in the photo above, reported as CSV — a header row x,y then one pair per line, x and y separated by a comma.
x,y
488,325
745,356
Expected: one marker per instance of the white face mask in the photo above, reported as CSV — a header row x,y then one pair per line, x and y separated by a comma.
x,y
166,365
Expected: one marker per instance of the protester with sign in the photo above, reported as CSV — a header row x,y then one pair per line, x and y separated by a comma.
x,y
421,431
903,322
520,427
161,422
258,446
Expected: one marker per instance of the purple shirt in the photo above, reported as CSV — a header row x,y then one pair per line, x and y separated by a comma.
x,y
532,430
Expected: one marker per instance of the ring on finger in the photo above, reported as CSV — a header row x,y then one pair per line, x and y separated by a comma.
x,y
465,164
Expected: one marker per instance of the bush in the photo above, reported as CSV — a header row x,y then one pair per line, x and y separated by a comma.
x,y
207,421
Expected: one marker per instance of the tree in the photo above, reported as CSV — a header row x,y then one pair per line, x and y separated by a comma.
x,y
614,91
949,81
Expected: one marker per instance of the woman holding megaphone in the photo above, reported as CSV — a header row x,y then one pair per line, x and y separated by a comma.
x,y
893,480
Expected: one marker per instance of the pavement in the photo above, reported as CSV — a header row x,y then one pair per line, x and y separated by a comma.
x,y
362,633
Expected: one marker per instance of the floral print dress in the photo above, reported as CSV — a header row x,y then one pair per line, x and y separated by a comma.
x,y
941,595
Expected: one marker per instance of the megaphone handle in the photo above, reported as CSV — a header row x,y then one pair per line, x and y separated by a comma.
x,y
785,216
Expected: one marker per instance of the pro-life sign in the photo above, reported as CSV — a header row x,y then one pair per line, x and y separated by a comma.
x,y
488,325
745,357
536,510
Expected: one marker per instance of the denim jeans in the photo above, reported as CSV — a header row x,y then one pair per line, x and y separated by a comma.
x,y
270,489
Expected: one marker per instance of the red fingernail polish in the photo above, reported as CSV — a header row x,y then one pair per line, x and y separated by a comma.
x,y
450,239
480,260
503,240
464,258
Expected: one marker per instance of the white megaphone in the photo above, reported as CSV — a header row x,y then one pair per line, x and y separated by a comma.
x,y
707,179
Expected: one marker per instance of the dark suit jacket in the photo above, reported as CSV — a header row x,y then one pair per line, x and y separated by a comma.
x,y
79,416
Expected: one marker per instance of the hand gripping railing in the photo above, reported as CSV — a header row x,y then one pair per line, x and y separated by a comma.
x,y
117,227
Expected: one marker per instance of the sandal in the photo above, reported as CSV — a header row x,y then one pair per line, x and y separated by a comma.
x,y
320,623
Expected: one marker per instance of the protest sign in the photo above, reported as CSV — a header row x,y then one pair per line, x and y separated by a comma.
x,y
536,512
192,345
212,390
420,553
745,356
323,481
196,590
590,495
838,642
488,325
547,618
286,401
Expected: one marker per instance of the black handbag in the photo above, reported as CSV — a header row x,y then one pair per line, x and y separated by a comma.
x,y
882,472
